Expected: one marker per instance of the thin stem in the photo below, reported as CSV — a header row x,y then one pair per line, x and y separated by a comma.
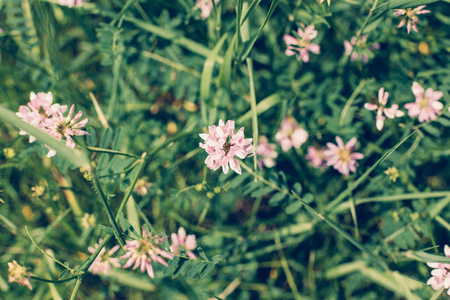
x,y
358,33
272,185
287,271
109,151
76,289
254,113
204,212
54,281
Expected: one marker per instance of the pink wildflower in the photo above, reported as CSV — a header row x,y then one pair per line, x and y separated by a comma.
x,y
18,273
426,105
340,156
142,252
302,45
381,108
410,16
291,134
222,144
38,110
103,262
316,157
440,274
357,47
71,3
187,242
59,126
206,7
266,152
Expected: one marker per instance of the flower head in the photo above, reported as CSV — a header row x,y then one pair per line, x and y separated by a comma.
x,y
440,274
291,134
266,153
206,7
59,126
142,252
410,16
340,156
358,48
222,144
393,174
426,105
103,262
316,157
71,3
301,45
187,242
19,274
381,108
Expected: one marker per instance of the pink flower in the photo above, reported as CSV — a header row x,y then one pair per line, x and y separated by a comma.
x,y
291,134
206,7
71,3
302,45
18,273
440,274
381,108
38,110
103,262
187,242
357,47
59,126
266,153
426,105
410,16
316,157
142,252
222,144
340,156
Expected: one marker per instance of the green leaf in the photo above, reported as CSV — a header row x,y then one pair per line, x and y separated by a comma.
x,y
197,267
225,69
106,229
185,264
276,198
172,265
293,208
202,253
74,156
262,191
261,107
207,270
91,139
107,138
118,139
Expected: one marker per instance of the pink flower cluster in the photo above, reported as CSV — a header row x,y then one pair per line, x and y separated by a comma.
x,y
41,113
222,144
19,274
410,17
440,274
206,7
340,156
427,105
71,3
301,45
381,108
188,243
103,262
266,153
358,48
291,134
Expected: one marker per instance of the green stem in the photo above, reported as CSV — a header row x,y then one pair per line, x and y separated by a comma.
x,y
254,113
109,151
358,33
76,289
53,281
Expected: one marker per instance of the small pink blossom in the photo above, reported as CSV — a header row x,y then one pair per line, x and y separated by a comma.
x,y
316,157
142,252
358,48
426,105
440,274
291,134
266,153
59,126
206,7
410,17
19,274
381,108
71,3
340,156
301,46
103,262
187,242
222,144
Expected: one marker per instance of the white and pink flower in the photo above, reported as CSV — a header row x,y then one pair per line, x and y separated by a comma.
x,y
410,17
427,105
266,153
381,109
291,134
301,46
222,144
206,7
340,156
142,252
316,157
440,274
187,242
102,263
357,48
19,274
71,3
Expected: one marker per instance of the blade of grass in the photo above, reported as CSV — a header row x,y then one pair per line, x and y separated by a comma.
x,y
344,234
254,112
287,271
